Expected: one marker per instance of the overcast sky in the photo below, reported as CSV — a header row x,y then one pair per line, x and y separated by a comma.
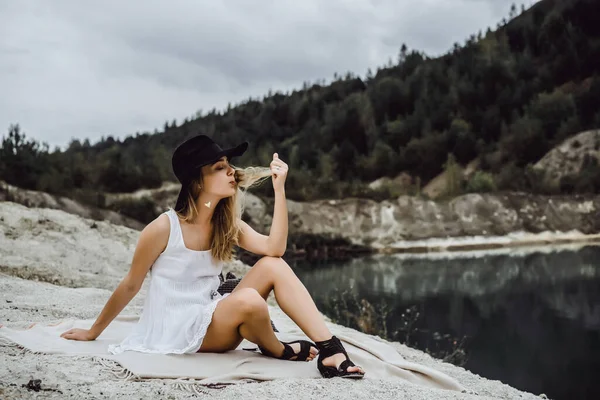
x,y
86,69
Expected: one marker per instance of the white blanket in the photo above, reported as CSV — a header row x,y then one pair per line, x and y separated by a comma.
x,y
378,359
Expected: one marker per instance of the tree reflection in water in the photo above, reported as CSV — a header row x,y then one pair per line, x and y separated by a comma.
x,y
529,319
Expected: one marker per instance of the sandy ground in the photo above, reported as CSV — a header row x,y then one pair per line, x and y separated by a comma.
x,y
55,265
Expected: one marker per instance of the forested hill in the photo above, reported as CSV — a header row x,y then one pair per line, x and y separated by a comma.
x,y
505,97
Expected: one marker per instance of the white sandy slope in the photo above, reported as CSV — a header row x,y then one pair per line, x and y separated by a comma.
x,y
55,265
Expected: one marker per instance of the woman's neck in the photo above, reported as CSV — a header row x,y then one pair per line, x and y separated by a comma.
x,y
206,210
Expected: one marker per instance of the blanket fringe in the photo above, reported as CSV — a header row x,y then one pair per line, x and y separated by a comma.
x,y
192,386
116,369
5,342
188,385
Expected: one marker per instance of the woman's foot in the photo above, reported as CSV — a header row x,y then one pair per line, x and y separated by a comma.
x,y
335,361
296,347
298,350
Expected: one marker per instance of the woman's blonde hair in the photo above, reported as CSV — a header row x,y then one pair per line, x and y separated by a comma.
x,y
228,211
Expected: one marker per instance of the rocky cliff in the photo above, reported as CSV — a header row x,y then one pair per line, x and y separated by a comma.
x,y
32,198
415,223
569,157
406,223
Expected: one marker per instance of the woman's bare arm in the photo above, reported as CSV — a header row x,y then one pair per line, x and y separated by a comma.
x,y
152,241
275,244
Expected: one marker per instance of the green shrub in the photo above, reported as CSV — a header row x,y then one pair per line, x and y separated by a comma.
x,y
481,182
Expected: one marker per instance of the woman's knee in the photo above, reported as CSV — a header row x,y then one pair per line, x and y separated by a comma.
x,y
250,302
272,265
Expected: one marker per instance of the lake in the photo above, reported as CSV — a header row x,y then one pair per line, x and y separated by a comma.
x,y
529,318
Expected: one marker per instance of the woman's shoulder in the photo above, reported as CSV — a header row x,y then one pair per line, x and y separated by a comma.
x,y
153,239
162,221
158,229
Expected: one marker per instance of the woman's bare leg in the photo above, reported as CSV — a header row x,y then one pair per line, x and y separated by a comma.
x,y
273,273
243,314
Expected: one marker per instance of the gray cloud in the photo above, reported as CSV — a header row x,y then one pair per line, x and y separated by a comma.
x,y
89,69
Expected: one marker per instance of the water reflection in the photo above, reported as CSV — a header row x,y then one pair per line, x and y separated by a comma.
x,y
531,320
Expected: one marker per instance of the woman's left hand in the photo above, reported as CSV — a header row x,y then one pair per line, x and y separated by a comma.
x,y
279,170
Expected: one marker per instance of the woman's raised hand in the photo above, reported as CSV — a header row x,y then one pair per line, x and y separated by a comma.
x,y
279,170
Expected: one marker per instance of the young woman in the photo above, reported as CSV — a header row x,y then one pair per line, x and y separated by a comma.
x,y
184,248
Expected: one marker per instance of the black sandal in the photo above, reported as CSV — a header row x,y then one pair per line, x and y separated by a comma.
x,y
288,351
328,348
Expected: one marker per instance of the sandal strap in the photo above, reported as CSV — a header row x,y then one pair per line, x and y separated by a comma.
x,y
327,348
304,352
343,368
288,351
304,349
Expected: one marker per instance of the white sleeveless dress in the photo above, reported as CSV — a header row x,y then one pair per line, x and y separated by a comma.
x,y
180,301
